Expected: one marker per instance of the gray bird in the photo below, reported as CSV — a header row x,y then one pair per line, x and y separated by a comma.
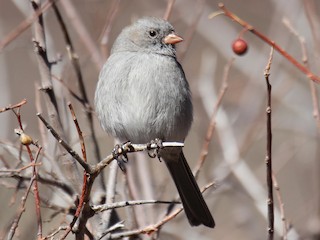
x,y
143,94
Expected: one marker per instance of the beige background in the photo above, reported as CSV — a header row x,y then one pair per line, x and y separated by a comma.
x,y
240,136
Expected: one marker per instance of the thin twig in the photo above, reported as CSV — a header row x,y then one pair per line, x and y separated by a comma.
x,y
313,90
250,28
109,198
11,107
45,66
281,207
191,29
62,185
76,21
83,197
104,207
50,236
155,227
35,173
75,120
168,9
114,9
268,158
20,210
19,169
65,145
83,92
25,24
212,124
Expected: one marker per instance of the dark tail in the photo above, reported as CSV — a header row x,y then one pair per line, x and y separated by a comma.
x,y
193,203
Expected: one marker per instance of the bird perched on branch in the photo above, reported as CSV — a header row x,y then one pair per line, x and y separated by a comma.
x,y
143,94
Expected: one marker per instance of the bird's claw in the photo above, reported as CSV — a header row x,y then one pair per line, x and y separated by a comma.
x,y
120,155
154,152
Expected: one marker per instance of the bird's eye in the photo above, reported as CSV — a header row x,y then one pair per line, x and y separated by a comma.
x,y
152,33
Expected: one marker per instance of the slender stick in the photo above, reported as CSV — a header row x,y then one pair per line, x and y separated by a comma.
x,y
168,9
25,24
35,172
212,124
20,211
83,92
268,158
11,107
65,145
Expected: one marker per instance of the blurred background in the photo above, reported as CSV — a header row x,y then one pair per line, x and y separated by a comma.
x,y
236,157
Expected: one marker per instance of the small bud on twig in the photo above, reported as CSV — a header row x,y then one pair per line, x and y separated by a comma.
x,y
24,138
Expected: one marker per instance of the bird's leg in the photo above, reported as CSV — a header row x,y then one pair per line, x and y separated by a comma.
x,y
120,155
155,152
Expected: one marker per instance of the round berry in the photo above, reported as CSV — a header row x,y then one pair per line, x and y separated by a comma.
x,y
239,46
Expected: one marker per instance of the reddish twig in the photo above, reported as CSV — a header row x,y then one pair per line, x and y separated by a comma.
x,y
75,120
35,174
250,28
11,107
20,211
268,158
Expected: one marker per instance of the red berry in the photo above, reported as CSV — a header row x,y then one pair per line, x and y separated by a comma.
x,y
239,46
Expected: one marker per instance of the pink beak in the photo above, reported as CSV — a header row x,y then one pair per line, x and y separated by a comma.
x,y
172,38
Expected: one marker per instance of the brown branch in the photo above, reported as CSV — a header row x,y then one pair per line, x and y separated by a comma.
x,y
44,66
155,227
11,107
72,93
19,170
313,90
75,120
84,197
20,210
84,35
105,207
268,158
250,28
64,144
84,98
13,174
32,160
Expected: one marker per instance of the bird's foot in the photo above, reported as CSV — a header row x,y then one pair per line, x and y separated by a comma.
x,y
120,155
154,152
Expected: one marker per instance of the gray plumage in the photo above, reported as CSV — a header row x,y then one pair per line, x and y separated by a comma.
x,y
142,94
